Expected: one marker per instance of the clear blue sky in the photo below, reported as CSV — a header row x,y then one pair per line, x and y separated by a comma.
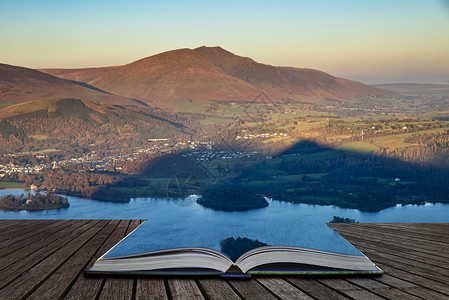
x,y
372,41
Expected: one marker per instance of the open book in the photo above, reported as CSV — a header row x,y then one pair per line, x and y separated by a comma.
x,y
139,253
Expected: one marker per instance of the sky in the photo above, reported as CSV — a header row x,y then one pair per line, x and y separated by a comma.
x,y
379,41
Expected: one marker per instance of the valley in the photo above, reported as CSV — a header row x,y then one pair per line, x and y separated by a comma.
x,y
191,121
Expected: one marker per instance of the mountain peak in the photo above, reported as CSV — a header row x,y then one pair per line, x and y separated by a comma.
x,y
214,73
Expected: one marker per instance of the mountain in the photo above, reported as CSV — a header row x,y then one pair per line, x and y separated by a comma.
x,y
212,73
50,124
18,84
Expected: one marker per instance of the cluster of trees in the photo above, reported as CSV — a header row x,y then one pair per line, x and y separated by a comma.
x,y
235,247
337,219
441,139
231,199
36,201
78,183
430,148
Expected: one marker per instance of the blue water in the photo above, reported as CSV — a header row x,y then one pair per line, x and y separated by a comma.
x,y
153,208
184,223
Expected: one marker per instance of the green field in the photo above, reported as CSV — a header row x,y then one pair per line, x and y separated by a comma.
x,y
6,185
363,147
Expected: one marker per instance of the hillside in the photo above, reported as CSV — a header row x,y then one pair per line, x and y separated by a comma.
x,y
207,73
50,124
18,85
421,97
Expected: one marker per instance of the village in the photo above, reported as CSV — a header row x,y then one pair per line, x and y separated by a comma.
x,y
92,161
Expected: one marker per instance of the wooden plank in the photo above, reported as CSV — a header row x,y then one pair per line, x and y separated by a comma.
x,y
36,266
417,279
119,283
89,287
56,285
282,289
403,263
381,288
23,233
430,259
424,293
404,253
117,288
24,250
184,289
433,279
151,289
412,266
434,233
314,288
400,237
409,242
30,279
399,270
217,288
347,288
374,242
250,289
17,248
48,248
13,225
419,234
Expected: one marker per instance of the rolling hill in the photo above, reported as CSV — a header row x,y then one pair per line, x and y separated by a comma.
x,y
73,124
18,85
212,73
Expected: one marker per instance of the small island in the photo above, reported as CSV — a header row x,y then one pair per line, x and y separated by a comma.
x,y
33,201
338,219
226,199
235,247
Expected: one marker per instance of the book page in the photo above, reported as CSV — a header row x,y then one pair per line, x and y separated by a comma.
x,y
195,226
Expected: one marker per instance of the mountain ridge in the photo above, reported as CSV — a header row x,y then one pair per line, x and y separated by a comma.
x,y
213,73
20,84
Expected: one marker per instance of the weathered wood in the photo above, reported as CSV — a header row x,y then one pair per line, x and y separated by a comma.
x,y
380,237
431,259
251,289
216,288
381,288
151,289
282,289
413,230
117,288
88,288
20,234
48,248
28,247
119,283
15,225
46,259
314,288
184,289
32,278
347,288
56,285
417,279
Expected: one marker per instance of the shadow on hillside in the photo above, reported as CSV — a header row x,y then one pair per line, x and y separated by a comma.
x,y
304,173
86,85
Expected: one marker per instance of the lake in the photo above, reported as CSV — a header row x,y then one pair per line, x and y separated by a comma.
x,y
183,222
155,209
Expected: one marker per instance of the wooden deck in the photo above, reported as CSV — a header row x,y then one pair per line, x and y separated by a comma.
x,y
46,259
